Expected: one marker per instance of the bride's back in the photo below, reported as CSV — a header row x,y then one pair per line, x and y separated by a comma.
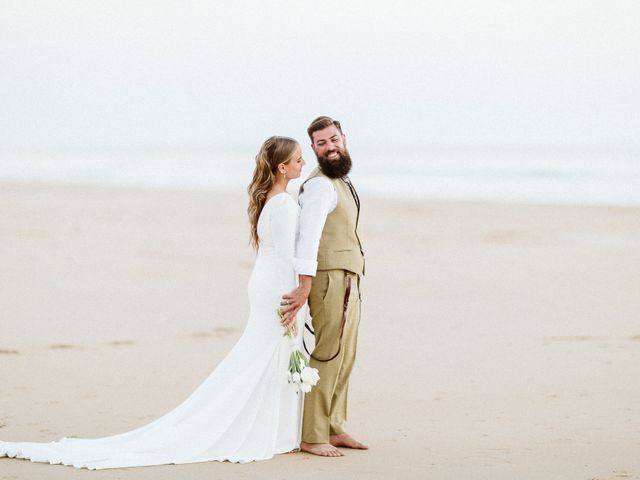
x,y
273,274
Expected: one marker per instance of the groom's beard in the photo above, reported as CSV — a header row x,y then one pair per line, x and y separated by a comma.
x,y
337,168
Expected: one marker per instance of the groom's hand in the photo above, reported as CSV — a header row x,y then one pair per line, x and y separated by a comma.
x,y
294,300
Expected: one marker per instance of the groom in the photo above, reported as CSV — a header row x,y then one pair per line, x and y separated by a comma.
x,y
329,261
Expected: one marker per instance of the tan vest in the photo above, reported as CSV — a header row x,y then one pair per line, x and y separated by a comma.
x,y
340,247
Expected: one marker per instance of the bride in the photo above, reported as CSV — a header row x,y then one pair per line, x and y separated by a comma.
x,y
244,410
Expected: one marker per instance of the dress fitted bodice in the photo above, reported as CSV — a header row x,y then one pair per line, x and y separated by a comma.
x,y
273,274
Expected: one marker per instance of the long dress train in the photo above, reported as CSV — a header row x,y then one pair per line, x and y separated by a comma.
x,y
243,411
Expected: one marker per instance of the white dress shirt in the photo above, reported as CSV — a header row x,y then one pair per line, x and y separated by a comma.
x,y
317,200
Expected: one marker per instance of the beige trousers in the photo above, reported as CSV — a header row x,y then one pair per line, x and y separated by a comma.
x,y
325,407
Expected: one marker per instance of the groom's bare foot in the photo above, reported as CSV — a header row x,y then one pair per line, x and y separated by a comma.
x,y
347,441
321,449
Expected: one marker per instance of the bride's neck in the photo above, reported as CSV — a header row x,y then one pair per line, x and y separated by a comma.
x,y
279,186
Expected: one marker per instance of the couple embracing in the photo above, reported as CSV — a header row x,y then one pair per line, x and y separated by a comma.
x,y
308,256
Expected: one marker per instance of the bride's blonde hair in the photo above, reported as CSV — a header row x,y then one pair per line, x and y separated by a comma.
x,y
274,151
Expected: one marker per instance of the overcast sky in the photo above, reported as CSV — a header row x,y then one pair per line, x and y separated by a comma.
x,y
399,74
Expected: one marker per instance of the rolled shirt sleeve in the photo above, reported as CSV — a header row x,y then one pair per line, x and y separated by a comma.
x,y
317,200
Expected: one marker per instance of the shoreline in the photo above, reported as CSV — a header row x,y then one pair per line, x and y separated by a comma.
x,y
47,184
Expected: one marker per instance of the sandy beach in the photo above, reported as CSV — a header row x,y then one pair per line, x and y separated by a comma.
x,y
498,341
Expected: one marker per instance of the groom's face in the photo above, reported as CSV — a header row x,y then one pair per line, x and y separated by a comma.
x,y
328,143
331,151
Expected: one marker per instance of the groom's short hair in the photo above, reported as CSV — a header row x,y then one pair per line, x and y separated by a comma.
x,y
321,123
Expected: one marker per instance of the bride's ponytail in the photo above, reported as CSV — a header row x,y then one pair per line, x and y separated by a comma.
x,y
274,151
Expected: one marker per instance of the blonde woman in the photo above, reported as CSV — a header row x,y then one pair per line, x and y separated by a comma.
x,y
244,410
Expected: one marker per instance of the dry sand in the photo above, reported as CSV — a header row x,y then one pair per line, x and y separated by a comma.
x,y
497,341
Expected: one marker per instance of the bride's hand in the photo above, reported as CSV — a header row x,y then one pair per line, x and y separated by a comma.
x,y
294,327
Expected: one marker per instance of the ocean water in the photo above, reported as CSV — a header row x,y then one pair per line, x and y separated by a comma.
x,y
552,177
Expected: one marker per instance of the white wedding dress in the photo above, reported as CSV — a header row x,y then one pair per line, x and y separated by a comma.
x,y
244,411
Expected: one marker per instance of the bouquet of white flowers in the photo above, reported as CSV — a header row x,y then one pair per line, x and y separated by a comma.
x,y
300,375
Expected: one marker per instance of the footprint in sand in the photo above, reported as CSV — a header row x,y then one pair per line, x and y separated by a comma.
x,y
121,343
65,346
216,332
224,330
572,338
30,233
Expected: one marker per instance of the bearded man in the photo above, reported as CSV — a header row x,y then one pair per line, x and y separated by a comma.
x,y
329,262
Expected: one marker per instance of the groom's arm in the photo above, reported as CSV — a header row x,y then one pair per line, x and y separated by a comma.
x,y
318,199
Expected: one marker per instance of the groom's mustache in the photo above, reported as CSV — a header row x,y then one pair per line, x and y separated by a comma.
x,y
338,167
